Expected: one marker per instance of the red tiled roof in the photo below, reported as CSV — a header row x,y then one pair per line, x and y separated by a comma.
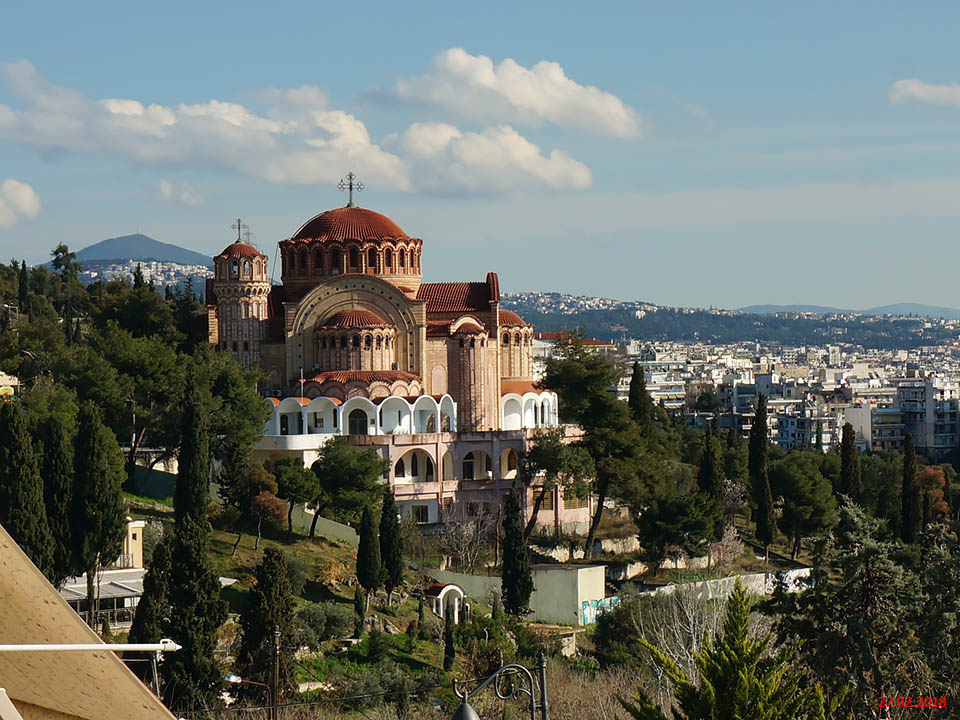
x,y
455,296
239,249
519,387
366,376
355,319
469,327
349,223
508,318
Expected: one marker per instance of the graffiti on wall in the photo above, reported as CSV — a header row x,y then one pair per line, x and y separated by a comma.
x,y
592,609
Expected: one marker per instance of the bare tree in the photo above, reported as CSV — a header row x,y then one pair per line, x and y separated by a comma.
x,y
468,535
726,549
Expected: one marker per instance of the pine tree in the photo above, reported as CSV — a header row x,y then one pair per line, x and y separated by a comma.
x,y
270,607
369,567
193,677
22,510
517,579
641,406
766,524
99,516
391,543
849,464
737,679
912,501
57,472
449,637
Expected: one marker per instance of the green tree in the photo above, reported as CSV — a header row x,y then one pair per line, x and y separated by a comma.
x,y
295,484
152,617
58,479
739,677
349,480
809,506
710,473
849,464
22,510
99,516
23,285
670,518
65,262
517,578
449,638
912,511
269,608
391,543
193,677
766,524
369,565
554,463
641,405
359,610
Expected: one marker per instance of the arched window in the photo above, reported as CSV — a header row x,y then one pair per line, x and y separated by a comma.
x,y
335,261
399,470
343,341
303,259
506,339
354,258
368,341
379,342
234,267
414,466
468,467
246,267
292,261
401,257
318,259
356,341
388,258
372,259
357,422
461,342
473,342
323,343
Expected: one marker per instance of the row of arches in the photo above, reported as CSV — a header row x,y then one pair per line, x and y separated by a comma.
x,y
364,350
361,416
417,466
372,259
236,269
530,410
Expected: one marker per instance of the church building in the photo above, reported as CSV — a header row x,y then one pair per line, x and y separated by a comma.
x,y
437,375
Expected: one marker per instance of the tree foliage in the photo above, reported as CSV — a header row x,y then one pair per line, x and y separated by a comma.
x,y
809,507
349,480
517,578
369,565
912,501
391,542
766,524
849,464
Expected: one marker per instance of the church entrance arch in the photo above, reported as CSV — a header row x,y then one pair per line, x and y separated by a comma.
x,y
357,422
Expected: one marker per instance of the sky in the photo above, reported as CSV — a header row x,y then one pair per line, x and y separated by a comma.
x,y
694,154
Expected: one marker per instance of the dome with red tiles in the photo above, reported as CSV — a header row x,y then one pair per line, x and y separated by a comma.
x,y
354,319
349,223
238,249
508,318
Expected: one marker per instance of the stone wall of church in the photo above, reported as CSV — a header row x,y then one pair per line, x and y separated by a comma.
x,y
436,376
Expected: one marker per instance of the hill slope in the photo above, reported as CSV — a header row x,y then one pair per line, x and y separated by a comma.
x,y
140,247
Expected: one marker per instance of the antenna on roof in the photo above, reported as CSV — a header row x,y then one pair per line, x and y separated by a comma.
x,y
351,183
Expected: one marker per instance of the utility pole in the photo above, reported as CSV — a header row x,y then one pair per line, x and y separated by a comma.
x,y
275,705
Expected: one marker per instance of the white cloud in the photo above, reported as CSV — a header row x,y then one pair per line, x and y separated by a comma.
x,y
913,89
298,139
472,86
17,200
185,195
497,158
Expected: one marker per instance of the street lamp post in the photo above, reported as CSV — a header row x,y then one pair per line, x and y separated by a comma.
x,y
505,687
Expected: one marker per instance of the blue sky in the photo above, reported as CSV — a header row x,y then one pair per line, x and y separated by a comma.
x,y
692,154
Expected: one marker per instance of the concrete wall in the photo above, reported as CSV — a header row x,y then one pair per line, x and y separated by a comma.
x,y
330,529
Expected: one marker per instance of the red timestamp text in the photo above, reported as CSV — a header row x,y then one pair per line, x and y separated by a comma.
x,y
918,702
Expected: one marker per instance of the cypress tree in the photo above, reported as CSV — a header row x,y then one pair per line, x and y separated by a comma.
x,y
710,473
641,406
270,606
449,635
57,473
153,611
359,609
849,464
21,490
23,286
517,579
910,494
391,543
193,677
99,517
369,567
766,527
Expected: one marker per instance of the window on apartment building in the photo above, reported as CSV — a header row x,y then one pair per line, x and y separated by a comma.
x,y
574,502
447,506
547,503
421,513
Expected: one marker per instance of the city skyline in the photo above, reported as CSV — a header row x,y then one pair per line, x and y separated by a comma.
x,y
666,160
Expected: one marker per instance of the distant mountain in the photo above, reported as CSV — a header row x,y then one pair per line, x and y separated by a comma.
x,y
774,309
141,247
917,309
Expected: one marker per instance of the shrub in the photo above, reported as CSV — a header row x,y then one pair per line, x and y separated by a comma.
x,y
318,622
